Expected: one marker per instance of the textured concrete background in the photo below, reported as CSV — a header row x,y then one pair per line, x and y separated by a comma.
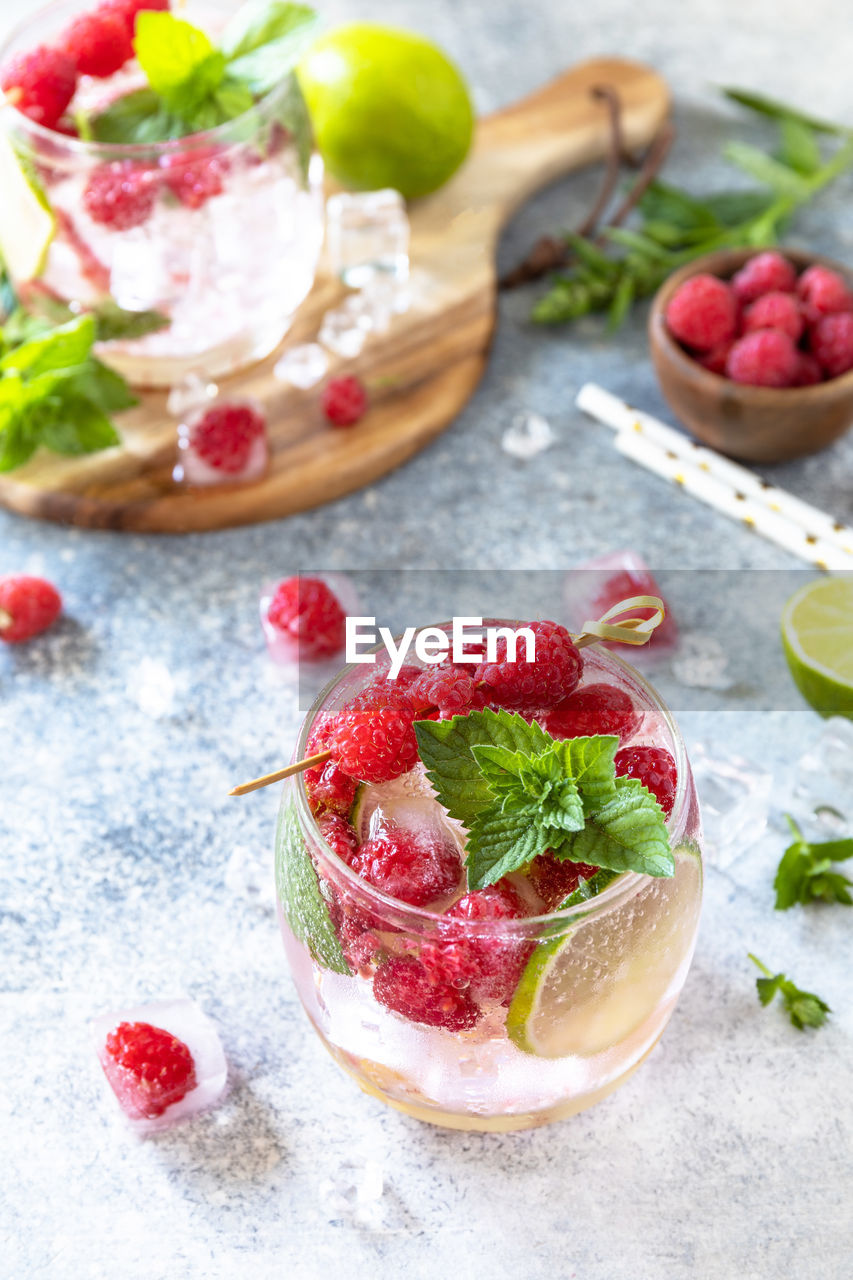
x,y
127,874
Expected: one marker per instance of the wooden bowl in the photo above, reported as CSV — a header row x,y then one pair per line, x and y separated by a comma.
x,y
757,424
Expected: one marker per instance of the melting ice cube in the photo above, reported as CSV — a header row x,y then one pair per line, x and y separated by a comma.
x,y
183,1020
302,366
529,435
367,235
222,443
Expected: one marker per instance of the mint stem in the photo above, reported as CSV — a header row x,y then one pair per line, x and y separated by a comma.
x,y
763,967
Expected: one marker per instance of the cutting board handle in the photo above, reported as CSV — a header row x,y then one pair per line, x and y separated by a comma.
x,y
560,127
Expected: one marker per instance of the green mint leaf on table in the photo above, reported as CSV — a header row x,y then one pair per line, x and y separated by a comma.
x,y
519,792
804,1008
59,348
264,40
77,426
805,871
798,147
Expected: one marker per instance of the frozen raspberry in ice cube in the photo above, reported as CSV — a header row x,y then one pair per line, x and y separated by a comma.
x,y
164,1061
596,586
222,444
304,617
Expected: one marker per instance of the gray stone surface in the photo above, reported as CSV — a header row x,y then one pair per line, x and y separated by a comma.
x,y
127,873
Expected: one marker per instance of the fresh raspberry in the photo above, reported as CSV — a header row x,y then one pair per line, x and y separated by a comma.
x,y
445,687
809,373
99,44
223,436
766,358
624,583
27,606
775,311
40,84
702,312
490,962
127,10
120,195
555,878
148,1068
340,835
309,612
831,343
373,737
715,360
598,708
765,273
414,867
537,685
195,176
823,292
344,401
402,984
655,768
328,788
403,680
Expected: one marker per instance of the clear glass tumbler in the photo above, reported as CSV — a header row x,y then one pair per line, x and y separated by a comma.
x,y
225,239
595,984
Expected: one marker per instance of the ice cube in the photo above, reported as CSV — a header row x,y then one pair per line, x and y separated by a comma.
x,y
188,394
235,451
343,333
823,780
734,798
353,1190
139,275
530,434
184,1020
302,366
594,587
367,234
701,662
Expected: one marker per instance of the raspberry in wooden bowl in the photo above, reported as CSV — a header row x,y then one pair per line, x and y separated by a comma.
x,y
754,351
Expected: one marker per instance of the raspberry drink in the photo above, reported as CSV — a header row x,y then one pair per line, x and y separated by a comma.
x,y
201,216
460,995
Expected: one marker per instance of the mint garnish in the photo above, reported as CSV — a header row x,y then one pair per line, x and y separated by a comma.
x,y
194,86
519,792
53,391
805,872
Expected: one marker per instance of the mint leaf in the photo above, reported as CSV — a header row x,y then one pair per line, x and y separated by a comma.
x,y
446,748
498,843
264,41
804,873
304,906
112,321
105,388
59,348
804,1008
537,786
799,148
628,833
76,426
180,63
137,117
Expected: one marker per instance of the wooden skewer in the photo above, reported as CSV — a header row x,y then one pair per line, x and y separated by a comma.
x,y
297,767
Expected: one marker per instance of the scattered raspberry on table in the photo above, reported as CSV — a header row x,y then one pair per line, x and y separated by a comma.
x,y
344,401
27,606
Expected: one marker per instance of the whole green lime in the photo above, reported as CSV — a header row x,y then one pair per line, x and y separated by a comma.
x,y
389,109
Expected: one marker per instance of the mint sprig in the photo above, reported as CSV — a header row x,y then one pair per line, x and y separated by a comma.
x,y
805,871
804,1008
193,86
53,391
519,792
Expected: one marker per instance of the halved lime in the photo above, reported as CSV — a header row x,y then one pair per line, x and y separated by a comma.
x,y
817,636
27,224
591,987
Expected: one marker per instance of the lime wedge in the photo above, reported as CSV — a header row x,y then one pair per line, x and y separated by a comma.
x,y
302,902
604,976
27,224
817,636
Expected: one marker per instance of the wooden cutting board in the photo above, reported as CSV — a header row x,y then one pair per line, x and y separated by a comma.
x,y
423,370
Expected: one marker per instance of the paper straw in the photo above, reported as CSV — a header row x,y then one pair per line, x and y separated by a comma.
x,y
615,413
739,506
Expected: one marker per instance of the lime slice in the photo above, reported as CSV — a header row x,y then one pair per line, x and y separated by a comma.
x,y
388,108
27,224
298,888
603,977
817,636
